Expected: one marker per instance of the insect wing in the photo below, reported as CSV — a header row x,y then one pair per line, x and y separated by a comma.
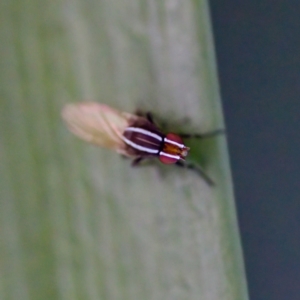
x,y
98,124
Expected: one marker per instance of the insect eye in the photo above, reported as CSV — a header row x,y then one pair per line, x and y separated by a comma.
x,y
166,159
174,138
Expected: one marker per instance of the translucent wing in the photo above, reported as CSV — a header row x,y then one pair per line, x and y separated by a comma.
x,y
98,124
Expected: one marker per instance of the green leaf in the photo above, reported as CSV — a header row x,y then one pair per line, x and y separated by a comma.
x,y
77,222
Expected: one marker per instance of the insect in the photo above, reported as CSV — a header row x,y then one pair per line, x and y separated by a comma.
x,y
131,135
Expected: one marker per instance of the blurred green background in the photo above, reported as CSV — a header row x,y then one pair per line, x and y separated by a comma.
x,y
76,222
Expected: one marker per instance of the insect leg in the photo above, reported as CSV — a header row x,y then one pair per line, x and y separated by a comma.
x,y
150,117
197,169
202,135
137,161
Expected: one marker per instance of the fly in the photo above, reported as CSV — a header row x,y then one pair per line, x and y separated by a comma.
x,y
134,136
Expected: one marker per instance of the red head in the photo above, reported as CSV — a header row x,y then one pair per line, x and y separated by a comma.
x,y
173,149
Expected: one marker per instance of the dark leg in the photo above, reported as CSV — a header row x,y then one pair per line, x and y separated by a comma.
x,y
137,161
197,169
147,115
150,117
202,135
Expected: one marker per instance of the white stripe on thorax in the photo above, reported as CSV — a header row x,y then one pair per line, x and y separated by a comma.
x,y
144,131
138,147
174,143
170,155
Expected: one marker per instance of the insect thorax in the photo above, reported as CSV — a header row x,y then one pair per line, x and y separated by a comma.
x,y
143,139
